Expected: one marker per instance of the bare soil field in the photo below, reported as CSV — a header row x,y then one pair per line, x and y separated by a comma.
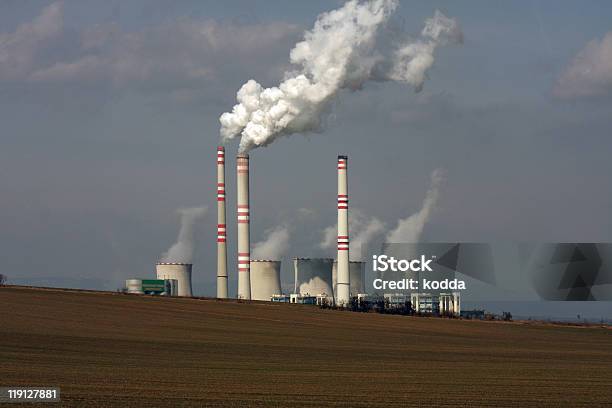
x,y
107,349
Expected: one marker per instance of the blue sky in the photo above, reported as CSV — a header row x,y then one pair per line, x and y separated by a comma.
x,y
95,162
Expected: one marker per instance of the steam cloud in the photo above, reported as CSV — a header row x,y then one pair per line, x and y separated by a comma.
x,y
589,74
182,250
410,229
340,52
362,229
274,245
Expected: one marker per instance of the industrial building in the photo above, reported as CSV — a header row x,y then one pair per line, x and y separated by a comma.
x,y
162,287
302,299
446,304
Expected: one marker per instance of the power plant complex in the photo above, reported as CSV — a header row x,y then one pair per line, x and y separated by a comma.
x,y
260,279
316,280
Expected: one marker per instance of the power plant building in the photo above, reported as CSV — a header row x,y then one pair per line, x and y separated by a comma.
x,y
437,304
164,287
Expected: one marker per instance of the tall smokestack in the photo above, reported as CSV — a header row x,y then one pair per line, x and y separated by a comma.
x,y
221,229
244,252
343,295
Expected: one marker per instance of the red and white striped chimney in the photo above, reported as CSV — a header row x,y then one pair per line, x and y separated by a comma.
x,y
343,284
221,229
244,251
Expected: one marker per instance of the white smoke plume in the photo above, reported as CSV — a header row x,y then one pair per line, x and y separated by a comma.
x,y
274,245
362,230
182,250
340,52
413,60
410,229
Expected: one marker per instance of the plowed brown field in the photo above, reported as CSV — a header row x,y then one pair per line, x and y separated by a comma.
x,y
107,349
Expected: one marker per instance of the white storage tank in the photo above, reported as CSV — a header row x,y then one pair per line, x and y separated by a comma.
x,y
265,279
181,272
134,286
313,276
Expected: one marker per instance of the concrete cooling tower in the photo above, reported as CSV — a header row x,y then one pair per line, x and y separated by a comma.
x,y
265,279
313,276
357,275
179,271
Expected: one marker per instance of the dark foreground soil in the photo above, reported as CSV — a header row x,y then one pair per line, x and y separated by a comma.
x,y
107,349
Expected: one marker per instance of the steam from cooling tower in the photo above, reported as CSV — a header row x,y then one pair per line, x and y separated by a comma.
x,y
182,250
410,229
363,229
274,245
340,52
411,61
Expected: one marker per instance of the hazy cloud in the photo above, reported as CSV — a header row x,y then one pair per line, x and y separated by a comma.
x,y
174,55
590,71
21,50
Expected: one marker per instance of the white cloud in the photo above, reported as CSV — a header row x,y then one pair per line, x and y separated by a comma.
x,y
177,54
21,49
589,73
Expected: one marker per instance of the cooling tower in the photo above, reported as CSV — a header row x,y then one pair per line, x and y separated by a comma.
x,y
172,287
357,276
343,295
265,279
179,271
221,230
313,276
244,251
